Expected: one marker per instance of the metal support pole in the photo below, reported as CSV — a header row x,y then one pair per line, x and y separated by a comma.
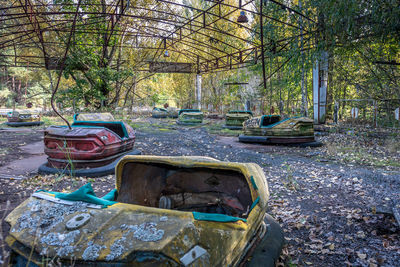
x,y
198,91
320,86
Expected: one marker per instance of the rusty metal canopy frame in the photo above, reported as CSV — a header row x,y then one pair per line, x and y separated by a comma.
x,y
39,33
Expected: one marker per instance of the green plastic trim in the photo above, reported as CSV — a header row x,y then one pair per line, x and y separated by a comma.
x,y
160,109
271,125
188,110
111,196
215,217
255,203
84,194
253,183
241,111
98,126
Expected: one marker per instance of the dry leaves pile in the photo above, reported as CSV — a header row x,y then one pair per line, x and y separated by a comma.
x,y
332,211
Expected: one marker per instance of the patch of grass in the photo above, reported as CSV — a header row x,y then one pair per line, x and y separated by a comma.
x,y
151,128
56,120
217,129
164,130
364,157
139,125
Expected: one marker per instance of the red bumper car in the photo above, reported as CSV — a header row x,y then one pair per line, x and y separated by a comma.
x,y
91,148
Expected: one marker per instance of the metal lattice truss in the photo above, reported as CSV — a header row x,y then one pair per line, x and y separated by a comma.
x,y
47,33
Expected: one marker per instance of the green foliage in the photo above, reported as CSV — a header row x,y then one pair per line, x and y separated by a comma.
x,y
357,34
104,70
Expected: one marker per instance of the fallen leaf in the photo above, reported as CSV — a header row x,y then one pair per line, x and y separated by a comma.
x,y
362,256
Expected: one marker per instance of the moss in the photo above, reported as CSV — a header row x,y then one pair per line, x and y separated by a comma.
x,y
152,128
218,130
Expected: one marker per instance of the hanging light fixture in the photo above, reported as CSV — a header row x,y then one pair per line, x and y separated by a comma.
x,y
242,18
166,53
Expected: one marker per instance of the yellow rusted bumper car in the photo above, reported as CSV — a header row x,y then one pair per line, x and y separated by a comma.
x,y
165,211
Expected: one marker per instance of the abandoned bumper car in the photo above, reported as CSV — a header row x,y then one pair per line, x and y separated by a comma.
x,y
169,112
159,113
91,148
172,112
190,117
234,119
165,211
19,118
271,129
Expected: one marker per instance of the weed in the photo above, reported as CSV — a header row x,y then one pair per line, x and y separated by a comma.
x,y
70,164
289,181
331,148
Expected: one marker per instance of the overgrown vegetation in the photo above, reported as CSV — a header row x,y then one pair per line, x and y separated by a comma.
x,y
102,69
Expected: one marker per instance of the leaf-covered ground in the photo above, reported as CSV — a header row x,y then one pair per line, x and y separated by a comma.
x,y
326,199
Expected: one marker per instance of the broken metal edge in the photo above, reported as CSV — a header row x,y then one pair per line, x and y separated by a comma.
x,y
48,197
11,177
192,255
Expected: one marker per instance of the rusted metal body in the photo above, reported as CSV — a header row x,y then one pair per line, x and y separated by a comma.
x,y
234,119
92,146
193,37
219,220
272,129
89,144
23,118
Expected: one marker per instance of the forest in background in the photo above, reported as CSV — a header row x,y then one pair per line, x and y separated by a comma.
x,y
362,38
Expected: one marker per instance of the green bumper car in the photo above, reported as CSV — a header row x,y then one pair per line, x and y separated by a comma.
x,y
190,117
271,129
159,113
234,119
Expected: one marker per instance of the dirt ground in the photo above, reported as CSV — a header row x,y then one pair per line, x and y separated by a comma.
x,y
11,141
327,200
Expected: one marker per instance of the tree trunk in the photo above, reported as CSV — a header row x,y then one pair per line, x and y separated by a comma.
x,y
304,110
133,92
